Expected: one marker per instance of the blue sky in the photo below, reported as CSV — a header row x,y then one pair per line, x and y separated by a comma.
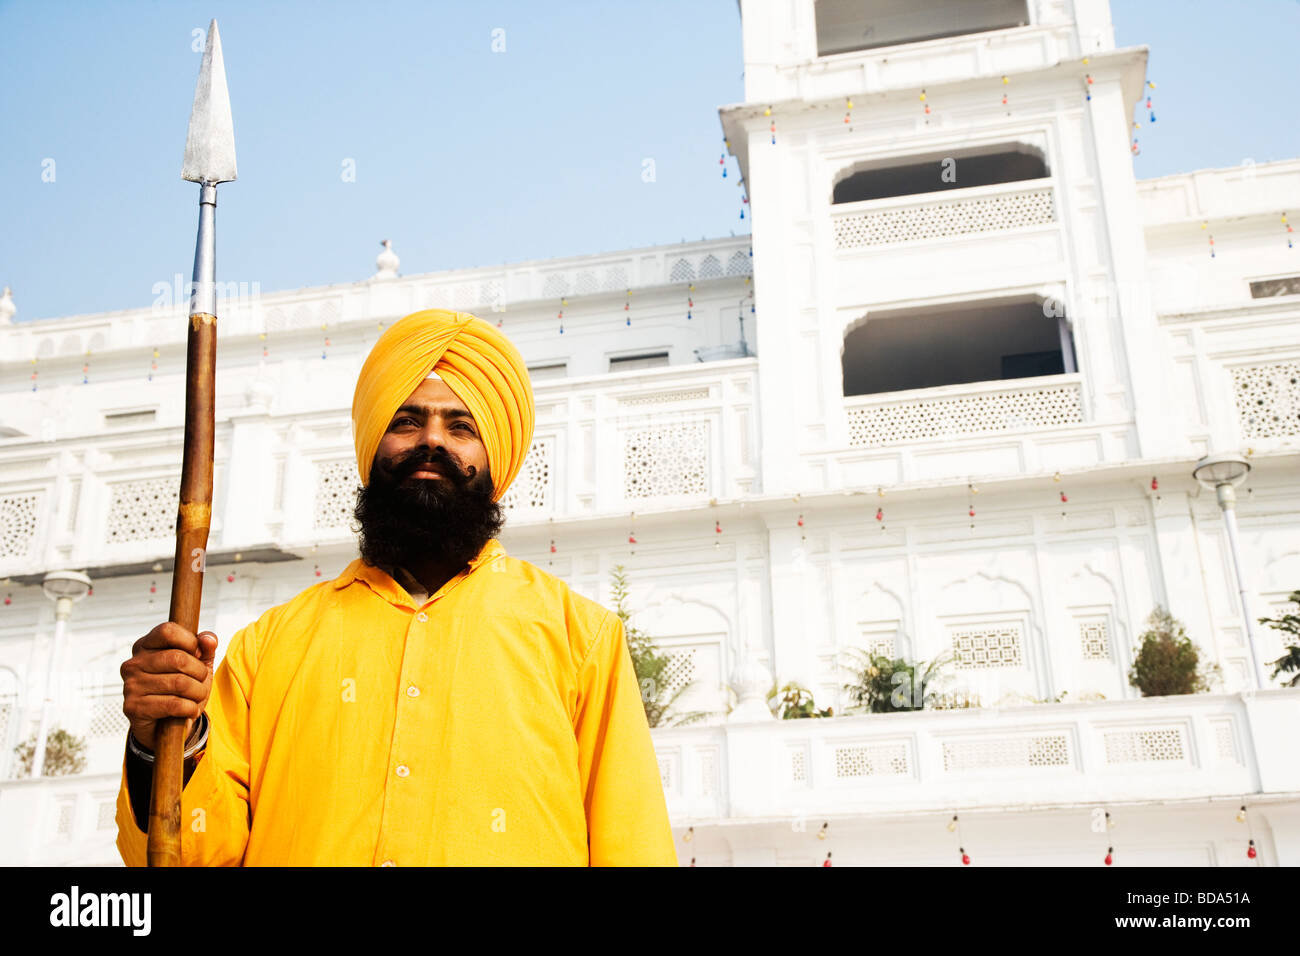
x,y
463,156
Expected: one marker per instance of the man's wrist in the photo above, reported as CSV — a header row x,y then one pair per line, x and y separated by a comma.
x,y
194,743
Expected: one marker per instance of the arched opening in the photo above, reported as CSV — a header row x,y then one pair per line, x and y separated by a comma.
x,y
956,344
940,171
847,25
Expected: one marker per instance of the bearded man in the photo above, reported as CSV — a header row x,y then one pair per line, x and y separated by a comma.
x,y
439,702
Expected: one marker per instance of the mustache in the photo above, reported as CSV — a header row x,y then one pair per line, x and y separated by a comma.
x,y
438,459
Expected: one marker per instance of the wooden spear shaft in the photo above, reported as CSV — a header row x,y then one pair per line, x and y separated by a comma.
x,y
209,159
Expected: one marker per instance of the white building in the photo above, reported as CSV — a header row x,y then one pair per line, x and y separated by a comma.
x,y
961,301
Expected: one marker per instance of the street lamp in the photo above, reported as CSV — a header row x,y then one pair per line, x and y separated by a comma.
x,y
1224,473
64,588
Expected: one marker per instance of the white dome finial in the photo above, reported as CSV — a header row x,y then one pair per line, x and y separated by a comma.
x,y
387,262
7,307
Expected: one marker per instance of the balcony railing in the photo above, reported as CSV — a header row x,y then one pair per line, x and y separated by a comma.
x,y
980,209
979,408
1148,749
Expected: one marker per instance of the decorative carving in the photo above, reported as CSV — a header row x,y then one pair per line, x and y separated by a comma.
x,y
1268,399
106,716
666,397
997,645
18,524
1144,746
1094,639
886,422
666,460
532,489
143,510
958,217
995,753
871,761
336,493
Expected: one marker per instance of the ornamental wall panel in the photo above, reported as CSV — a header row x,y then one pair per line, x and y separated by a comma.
x,y
337,484
938,220
1029,751
18,523
533,490
143,510
874,421
1268,399
666,460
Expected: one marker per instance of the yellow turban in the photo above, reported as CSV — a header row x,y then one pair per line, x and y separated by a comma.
x,y
480,366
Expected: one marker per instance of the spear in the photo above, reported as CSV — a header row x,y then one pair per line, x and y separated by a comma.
x,y
209,159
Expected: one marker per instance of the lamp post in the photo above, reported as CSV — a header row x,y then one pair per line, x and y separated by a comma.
x,y
1224,473
64,588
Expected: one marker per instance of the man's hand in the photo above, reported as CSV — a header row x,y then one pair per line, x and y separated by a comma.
x,y
169,675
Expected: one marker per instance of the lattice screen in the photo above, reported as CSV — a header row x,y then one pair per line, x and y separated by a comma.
x,y
107,815
336,492
1144,746
666,460
740,264
708,772
665,397
879,642
1268,399
997,645
680,670
682,271
143,510
668,772
959,217
556,285
615,279
1094,639
532,487
18,524
872,760
106,716
710,268
1013,410
1225,741
66,817
997,753
798,765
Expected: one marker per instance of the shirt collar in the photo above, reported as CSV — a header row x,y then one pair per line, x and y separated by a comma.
x,y
383,584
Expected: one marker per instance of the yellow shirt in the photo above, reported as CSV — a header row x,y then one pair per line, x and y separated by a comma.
x,y
499,722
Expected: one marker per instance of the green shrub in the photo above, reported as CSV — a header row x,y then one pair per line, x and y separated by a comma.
x,y
64,754
797,701
1289,625
882,685
1167,662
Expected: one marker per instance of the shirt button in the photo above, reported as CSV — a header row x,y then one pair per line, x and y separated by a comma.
x,y
421,617
403,770
412,691
388,863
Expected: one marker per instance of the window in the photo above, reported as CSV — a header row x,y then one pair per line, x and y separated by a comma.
x,y
539,373
937,172
1268,288
953,345
122,418
846,25
626,363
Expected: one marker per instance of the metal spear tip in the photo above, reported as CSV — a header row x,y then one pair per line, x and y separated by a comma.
x,y
210,145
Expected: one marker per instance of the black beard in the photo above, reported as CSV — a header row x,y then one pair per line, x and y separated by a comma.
x,y
445,520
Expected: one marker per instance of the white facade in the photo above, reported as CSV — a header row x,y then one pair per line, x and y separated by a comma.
x,y
843,508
